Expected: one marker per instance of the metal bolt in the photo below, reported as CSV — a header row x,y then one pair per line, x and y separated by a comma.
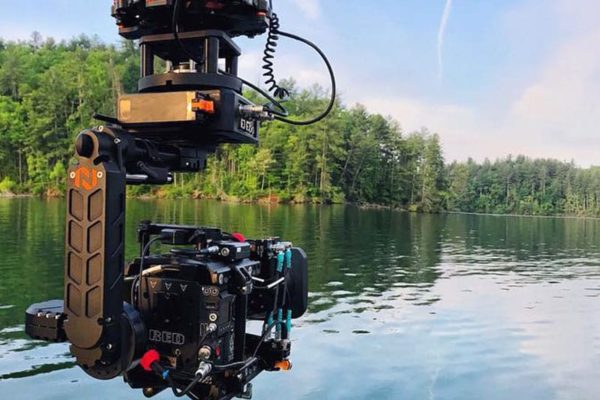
x,y
108,320
109,346
117,140
100,128
212,317
177,352
224,251
100,174
72,175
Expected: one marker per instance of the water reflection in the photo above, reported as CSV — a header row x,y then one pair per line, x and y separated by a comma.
x,y
402,306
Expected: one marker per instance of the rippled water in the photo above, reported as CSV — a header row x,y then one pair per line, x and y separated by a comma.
x,y
402,306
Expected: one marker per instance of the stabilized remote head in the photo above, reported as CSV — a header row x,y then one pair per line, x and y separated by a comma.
x,y
242,17
196,100
175,320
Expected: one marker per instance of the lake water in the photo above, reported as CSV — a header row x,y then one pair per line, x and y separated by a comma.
x,y
402,306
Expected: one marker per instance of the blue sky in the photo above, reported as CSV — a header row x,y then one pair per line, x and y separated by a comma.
x,y
515,77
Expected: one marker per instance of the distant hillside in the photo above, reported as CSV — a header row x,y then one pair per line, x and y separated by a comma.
x,y
49,91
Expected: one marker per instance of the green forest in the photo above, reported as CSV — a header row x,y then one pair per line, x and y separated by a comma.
x,y
49,91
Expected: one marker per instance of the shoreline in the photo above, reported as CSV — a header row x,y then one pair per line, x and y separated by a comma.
x,y
10,195
273,200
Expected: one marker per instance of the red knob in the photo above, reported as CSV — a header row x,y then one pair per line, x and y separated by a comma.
x,y
148,359
239,237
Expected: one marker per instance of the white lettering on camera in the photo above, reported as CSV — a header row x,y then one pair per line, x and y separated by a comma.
x,y
166,337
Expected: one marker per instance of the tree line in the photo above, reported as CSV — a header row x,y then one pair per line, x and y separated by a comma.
x,y
49,91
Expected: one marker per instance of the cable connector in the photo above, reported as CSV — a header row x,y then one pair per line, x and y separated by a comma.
x,y
260,113
203,370
210,250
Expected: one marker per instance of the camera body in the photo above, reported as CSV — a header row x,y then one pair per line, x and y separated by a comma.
x,y
195,302
191,307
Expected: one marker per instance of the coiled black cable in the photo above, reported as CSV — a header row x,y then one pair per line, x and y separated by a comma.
x,y
269,56
333,95
274,34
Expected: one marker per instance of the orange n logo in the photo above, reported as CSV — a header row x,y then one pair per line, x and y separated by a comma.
x,y
85,178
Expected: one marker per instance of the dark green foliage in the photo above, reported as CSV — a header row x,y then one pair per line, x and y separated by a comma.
x,y
49,92
524,186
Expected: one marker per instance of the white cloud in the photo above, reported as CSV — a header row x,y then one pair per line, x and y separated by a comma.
x,y
564,102
461,129
556,113
551,110
310,8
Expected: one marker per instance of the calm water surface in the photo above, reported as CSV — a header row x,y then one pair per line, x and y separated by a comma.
x,y
401,306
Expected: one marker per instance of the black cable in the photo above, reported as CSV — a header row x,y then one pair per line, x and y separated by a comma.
x,y
139,278
274,33
241,364
175,26
194,381
186,390
264,336
244,364
331,75
269,56
283,114
205,336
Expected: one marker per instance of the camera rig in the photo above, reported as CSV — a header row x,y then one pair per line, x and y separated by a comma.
x,y
176,320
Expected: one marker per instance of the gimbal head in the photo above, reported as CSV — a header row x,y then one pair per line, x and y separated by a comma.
x,y
197,101
137,18
176,320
